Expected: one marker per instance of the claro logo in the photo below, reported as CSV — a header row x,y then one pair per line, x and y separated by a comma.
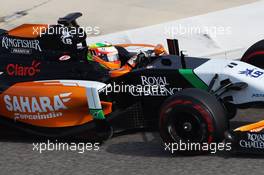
x,y
21,70
21,104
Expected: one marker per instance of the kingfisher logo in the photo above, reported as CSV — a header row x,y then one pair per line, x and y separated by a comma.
x,y
37,108
20,43
23,71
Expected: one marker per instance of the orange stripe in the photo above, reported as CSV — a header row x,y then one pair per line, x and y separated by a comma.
x,y
253,126
28,30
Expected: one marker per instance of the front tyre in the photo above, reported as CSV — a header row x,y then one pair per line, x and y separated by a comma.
x,y
192,116
255,55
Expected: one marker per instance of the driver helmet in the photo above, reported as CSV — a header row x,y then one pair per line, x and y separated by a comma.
x,y
105,54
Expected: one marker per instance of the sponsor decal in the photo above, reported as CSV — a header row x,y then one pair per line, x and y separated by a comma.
x,y
154,81
20,43
21,51
37,108
65,58
66,37
20,70
257,95
252,73
37,116
157,86
253,140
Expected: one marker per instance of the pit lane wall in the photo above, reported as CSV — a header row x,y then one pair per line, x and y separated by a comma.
x,y
221,34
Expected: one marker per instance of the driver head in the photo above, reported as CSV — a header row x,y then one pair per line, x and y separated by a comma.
x,y
105,54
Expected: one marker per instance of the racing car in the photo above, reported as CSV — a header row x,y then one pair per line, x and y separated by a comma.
x,y
50,88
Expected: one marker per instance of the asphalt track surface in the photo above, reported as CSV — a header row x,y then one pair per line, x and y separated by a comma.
x,y
128,153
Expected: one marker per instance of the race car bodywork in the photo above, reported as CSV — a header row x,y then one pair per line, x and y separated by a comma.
x,y
37,102
58,92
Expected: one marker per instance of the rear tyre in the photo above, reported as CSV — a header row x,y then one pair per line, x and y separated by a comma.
x,y
192,116
255,55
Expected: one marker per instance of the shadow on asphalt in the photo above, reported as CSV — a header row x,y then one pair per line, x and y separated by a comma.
x,y
154,147
141,146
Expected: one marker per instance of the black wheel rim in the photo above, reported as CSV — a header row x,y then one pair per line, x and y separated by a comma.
x,y
187,126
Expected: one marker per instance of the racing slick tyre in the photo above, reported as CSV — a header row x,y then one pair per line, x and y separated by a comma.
x,y
192,116
255,55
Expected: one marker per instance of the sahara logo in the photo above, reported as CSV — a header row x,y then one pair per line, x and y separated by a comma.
x,y
19,43
22,71
252,73
42,107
